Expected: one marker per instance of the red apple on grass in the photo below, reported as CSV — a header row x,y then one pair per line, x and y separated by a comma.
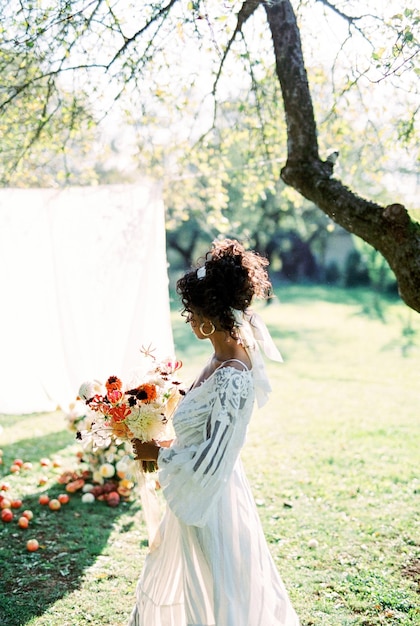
x,y
113,499
54,504
43,499
75,485
6,515
28,514
32,545
23,522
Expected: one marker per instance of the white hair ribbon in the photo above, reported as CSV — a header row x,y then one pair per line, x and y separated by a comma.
x,y
201,272
254,334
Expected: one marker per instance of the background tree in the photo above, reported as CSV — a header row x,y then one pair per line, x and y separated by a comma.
x,y
122,52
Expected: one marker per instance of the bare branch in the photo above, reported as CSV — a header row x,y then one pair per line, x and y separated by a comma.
x,y
162,13
247,9
348,18
61,70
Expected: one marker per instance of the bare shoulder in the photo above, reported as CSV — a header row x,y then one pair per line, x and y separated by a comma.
x,y
242,365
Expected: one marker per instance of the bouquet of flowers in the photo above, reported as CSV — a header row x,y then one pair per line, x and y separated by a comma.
x,y
138,410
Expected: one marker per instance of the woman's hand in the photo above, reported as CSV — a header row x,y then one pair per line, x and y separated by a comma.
x,y
145,451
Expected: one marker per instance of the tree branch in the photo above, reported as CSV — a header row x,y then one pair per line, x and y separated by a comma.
x,y
390,230
163,11
247,9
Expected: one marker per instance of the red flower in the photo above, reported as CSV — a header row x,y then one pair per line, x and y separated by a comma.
x,y
119,413
97,403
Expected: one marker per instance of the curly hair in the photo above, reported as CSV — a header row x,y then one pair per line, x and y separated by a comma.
x,y
228,277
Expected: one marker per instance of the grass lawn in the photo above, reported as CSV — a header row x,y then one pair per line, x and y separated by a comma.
x,y
333,460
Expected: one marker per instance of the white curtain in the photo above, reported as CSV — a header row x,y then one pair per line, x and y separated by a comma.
x,y
84,285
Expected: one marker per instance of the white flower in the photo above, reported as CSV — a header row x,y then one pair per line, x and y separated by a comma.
x,y
97,477
147,422
107,470
90,388
87,390
122,466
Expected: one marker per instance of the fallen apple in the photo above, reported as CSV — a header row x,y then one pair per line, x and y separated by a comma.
x,y
16,504
42,480
6,515
27,465
15,469
28,514
63,498
23,522
18,462
75,485
124,491
32,545
113,499
45,462
43,499
6,503
4,486
54,504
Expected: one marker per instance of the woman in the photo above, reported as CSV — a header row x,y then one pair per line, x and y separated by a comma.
x,y
212,566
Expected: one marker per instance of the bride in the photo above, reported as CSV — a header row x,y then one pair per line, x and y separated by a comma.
x,y
211,565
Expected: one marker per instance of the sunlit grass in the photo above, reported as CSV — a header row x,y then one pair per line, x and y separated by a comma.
x,y
333,463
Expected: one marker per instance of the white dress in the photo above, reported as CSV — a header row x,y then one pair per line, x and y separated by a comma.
x,y
212,566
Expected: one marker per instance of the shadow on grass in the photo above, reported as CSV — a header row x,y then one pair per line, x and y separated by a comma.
x,y
70,539
35,447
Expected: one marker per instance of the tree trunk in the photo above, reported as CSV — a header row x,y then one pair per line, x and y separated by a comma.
x,y
388,229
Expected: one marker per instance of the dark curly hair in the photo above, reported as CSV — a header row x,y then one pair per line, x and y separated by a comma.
x,y
228,277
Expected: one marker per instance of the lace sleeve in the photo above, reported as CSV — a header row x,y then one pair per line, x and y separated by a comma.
x,y
193,478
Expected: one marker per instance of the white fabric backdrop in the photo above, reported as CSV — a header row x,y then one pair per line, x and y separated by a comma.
x,y
84,285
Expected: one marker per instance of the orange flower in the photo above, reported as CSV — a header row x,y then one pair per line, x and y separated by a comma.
x,y
119,413
113,384
146,392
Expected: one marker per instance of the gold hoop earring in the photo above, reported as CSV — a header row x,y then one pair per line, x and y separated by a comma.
x,y
213,328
